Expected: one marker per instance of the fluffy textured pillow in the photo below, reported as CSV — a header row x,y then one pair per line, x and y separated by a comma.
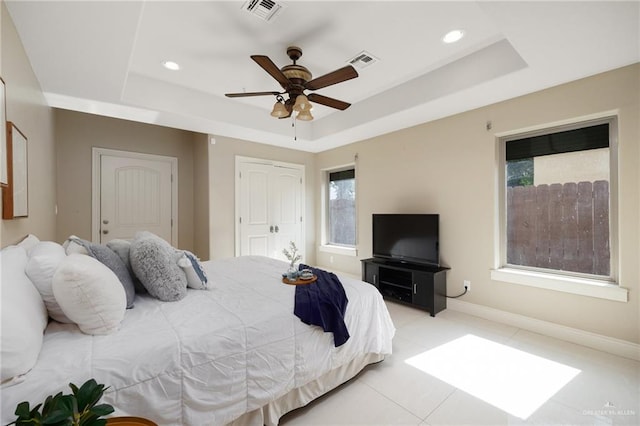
x,y
196,276
154,261
44,259
122,248
71,245
24,317
112,261
90,294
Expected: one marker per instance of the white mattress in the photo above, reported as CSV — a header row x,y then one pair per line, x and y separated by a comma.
x,y
212,356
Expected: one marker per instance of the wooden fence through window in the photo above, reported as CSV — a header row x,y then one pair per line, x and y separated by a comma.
x,y
342,229
560,226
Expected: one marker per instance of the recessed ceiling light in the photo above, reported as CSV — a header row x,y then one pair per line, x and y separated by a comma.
x,y
170,65
453,36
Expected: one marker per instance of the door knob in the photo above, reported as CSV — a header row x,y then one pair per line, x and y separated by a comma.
x,y
105,231
105,221
277,229
271,229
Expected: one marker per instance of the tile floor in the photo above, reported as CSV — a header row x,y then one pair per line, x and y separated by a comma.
x,y
538,380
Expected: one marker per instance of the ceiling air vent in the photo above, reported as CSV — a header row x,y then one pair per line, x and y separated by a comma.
x,y
363,60
266,10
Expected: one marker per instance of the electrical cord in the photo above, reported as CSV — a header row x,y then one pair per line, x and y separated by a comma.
x,y
460,295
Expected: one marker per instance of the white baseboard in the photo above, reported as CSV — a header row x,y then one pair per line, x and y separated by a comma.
x,y
611,345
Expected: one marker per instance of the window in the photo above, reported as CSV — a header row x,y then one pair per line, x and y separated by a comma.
x,y
341,208
557,201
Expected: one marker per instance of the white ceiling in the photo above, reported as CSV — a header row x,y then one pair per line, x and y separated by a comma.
x,y
105,57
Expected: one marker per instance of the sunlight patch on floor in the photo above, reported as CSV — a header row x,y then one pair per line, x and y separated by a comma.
x,y
507,378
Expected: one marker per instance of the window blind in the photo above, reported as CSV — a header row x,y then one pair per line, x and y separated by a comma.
x,y
592,137
342,175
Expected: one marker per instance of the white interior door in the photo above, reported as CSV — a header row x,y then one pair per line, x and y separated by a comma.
x,y
135,194
256,228
287,208
270,209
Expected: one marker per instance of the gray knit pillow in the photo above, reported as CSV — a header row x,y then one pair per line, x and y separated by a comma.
x,y
154,261
121,248
110,259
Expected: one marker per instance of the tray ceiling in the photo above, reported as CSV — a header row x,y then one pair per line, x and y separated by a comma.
x,y
105,57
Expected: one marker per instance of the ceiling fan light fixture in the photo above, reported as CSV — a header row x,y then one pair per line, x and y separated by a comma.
x,y
302,104
279,110
304,115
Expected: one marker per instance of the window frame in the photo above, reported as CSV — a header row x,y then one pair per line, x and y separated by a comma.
x,y
325,245
564,281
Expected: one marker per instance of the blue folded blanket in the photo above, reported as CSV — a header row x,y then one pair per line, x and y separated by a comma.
x,y
323,303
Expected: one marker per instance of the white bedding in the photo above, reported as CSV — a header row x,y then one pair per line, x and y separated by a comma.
x,y
213,356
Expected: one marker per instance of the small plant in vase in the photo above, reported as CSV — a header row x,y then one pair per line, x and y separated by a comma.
x,y
80,408
293,256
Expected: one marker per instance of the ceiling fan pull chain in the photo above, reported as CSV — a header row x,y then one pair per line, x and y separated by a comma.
x,y
295,128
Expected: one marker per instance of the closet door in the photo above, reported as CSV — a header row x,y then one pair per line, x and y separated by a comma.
x,y
286,211
270,209
255,207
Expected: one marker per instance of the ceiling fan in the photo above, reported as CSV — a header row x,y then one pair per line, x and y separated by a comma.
x,y
295,79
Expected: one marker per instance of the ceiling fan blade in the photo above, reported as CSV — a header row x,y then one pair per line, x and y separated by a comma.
x,y
330,102
273,70
244,94
337,76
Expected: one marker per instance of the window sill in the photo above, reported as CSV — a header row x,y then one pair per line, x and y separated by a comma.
x,y
345,251
601,289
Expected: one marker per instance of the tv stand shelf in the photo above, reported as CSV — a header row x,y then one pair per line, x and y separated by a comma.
x,y
422,286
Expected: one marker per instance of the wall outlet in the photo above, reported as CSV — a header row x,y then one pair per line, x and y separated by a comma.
x,y
467,285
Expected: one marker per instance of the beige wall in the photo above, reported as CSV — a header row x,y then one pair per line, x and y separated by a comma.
x,y
201,215
27,108
76,135
450,167
222,190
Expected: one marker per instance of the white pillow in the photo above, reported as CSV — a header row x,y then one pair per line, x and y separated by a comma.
x,y
71,245
29,242
44,259
24,316
196,276
90,294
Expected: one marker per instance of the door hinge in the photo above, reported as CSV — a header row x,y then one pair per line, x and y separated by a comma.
x,y
240,218
172,222
240,175
300,181
300,218
171,177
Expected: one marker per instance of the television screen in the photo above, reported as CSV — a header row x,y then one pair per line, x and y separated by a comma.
x,y
407,237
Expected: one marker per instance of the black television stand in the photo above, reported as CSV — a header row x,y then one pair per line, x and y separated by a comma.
x,y
422,286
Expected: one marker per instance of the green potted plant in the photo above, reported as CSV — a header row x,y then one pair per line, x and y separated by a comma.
x,y
80,408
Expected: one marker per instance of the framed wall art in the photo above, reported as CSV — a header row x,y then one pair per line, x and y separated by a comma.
x,y
15,196
3,137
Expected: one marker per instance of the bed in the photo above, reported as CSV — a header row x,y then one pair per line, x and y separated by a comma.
x,y
232,354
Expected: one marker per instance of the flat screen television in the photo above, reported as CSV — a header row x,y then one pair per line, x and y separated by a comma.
x,y
412,238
